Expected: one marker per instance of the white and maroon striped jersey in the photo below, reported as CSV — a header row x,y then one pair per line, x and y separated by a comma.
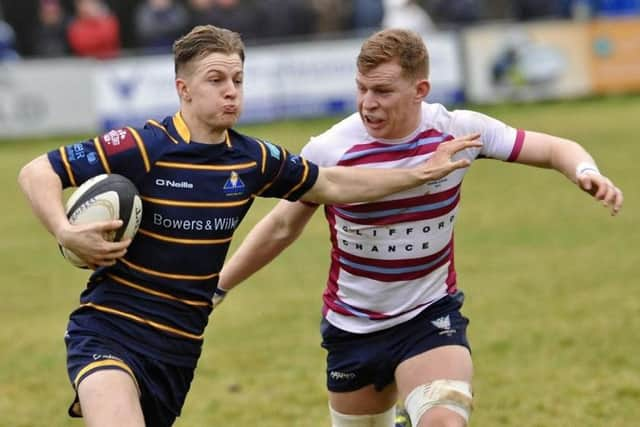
x,y
392,258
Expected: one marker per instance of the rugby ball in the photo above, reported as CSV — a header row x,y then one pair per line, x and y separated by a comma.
x,y
103,198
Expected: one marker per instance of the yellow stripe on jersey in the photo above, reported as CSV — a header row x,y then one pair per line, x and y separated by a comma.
x,y
195,204
67,166
181,127
227,139
141,147
183,241
141,288
283,153
264,157
167,275
304,178
159,126
190,166
101,364
263,189
103,158
139,319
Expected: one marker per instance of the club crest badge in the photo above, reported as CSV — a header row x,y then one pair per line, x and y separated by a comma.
x,y
234,185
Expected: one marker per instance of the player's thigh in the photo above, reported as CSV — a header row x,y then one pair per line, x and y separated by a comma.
x,y
452,362
364,401
109,398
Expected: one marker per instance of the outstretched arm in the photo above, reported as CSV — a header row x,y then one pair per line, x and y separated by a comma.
x,y
282,226
339,184
572,160
43,189
266,240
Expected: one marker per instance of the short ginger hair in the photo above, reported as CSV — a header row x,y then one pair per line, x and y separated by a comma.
x,y
402,46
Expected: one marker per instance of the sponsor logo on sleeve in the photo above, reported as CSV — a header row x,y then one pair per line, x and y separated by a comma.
x,y
273,150
92,157
75,152
295,159
79,151
117,141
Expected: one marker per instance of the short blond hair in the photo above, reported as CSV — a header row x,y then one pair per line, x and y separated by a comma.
x,y
203,40
404,46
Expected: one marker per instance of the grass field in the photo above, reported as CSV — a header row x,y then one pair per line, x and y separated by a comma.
x,y
551,282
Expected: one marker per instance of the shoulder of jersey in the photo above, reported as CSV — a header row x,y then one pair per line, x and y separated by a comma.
x,y
345,132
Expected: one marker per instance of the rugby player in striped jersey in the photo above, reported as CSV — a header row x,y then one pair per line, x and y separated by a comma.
x,y
391,323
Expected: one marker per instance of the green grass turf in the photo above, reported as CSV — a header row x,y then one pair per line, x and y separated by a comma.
x,y
550,278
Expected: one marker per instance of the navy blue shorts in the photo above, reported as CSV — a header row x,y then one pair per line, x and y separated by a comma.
x,y
357,360
163,388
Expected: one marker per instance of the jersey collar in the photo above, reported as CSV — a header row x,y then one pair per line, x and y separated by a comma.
x,y
181,127
183,134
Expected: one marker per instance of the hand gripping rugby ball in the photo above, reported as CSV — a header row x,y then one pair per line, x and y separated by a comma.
x,y
103,198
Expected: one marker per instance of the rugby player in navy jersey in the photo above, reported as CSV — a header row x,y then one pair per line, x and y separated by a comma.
x,y
392,324
134,341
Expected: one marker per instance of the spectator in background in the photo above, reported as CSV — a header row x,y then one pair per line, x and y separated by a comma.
x,y
331,15
158,23
367,14
50,36
200,12
234,15
284,18
20,15
408,15
7,41
94,31
457,12
528,10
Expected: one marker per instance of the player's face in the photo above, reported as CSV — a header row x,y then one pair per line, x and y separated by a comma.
x,y
388,102
214,90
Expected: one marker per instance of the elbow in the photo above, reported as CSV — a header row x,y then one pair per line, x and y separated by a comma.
x,y
38,172
283,234
24,176
325,190
284,227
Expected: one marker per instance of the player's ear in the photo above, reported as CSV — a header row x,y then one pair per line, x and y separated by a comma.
x,y
422,89
183,90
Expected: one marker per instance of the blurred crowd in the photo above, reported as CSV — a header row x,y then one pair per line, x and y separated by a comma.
x,y
107,28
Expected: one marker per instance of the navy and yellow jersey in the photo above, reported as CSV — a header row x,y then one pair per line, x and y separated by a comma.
x,y
194,197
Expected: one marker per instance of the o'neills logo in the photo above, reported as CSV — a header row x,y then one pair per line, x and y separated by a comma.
x,y
173,184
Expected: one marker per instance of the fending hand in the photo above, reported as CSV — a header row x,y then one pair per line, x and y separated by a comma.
x,y
601,188
441,163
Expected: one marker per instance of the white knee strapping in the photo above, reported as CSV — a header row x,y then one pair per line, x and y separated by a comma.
x,y
450,394
384,419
